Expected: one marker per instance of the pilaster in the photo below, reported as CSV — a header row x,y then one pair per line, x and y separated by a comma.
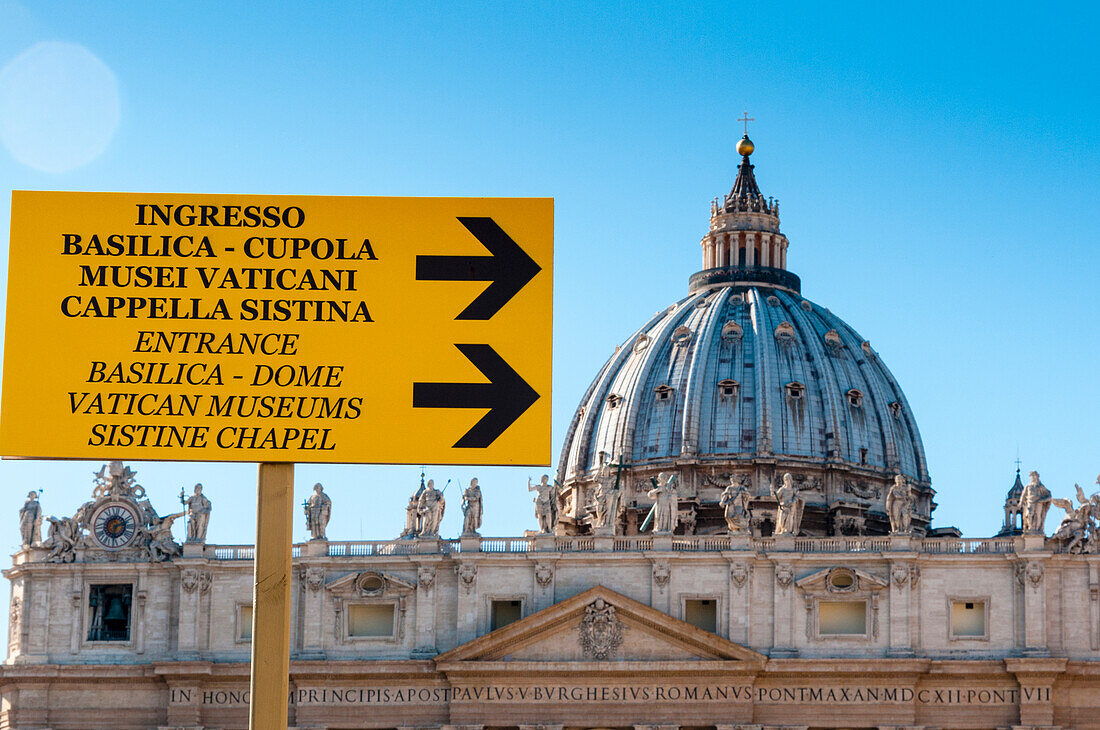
x,y
187,631
1031,573
427,578
467,601
750,249
901,602
740,605
783,633
313,611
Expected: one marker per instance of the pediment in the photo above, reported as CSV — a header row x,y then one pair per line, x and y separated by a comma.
x,y
369,583
841,580
582,628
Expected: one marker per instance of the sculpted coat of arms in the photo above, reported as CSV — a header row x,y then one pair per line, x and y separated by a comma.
x,y
600,629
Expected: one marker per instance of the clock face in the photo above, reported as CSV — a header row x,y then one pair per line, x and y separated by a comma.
x,y
114,525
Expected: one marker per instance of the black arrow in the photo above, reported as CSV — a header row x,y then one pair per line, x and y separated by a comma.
x,y
506,395
509,268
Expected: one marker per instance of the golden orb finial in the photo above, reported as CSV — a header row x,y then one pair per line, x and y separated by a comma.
x,y
745,146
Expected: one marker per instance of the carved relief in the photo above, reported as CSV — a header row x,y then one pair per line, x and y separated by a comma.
x,y
205,579
863,490
189,580
900,574
13,621
784,574
314,578
1034,573
661,573
601,632
467,574
739,574
544,574
425,577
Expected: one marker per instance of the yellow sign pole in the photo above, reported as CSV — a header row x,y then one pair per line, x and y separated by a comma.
x,y
270,671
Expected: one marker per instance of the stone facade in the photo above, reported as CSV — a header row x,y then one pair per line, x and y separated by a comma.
x,y
770,656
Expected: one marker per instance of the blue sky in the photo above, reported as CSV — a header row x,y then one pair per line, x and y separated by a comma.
x,y
936,166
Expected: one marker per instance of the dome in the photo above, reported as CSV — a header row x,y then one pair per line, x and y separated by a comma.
x,y
745,378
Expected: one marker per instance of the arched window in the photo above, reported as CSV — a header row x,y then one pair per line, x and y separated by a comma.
x,y
731,331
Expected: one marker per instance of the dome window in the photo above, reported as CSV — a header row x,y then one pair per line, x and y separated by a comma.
x,y
867,349
614,400
663,392
681,335
895,408
863,457
737,299
727,389
641,343
795,390
702,302
785,332
832,339
806,306
732,331
855,398
773,301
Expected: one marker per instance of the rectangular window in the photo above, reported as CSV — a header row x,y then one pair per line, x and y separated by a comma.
x,y
842,618
505,612
109,612
373,620
968,619
244,623
702,613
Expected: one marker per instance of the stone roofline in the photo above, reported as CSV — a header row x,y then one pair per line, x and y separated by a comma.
x,y
676,544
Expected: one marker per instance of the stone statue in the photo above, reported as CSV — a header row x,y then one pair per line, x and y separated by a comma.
x,y
788,521
412,519
1034,503
606,498
546,503
899,505
430,508
64,534
198,515
30,520
666,503
471,509
735,506
1078,529
161,545
318,509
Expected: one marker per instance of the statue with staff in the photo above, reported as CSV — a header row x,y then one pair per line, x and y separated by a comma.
x,y
546,503
318,509
606,501
665,512
735,506
471,509
430,508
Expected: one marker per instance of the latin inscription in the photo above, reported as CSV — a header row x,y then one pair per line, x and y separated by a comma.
x,y
627,693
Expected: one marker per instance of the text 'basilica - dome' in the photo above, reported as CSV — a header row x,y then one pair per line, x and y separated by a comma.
x,y
746,380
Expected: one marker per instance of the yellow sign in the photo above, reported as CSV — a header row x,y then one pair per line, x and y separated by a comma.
x,y
278,328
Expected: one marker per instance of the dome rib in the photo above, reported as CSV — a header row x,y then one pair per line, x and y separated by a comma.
x,y
696,383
